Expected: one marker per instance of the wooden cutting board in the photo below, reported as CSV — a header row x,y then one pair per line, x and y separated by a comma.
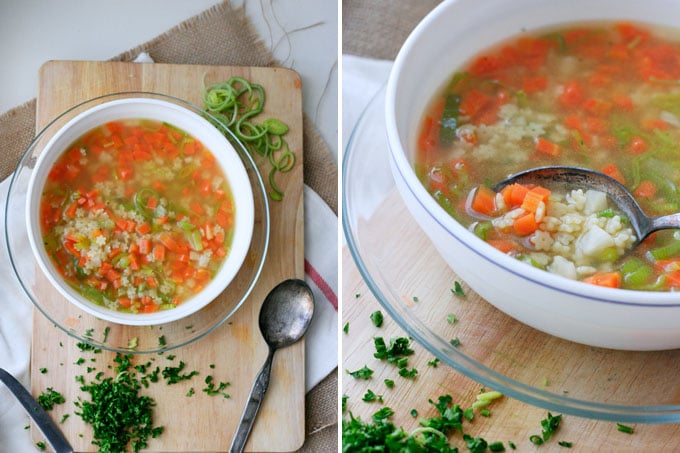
x,y
198,423
508,347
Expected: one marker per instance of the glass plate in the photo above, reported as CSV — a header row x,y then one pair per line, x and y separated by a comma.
x,y
115,337
414,285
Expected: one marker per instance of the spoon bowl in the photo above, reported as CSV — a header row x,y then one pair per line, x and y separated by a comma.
x,y
285,316
286,313
568,177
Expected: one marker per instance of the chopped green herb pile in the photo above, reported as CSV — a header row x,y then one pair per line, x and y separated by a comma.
x,y
397,353
213,389
49,398
381,435
550,424
118,414
173,374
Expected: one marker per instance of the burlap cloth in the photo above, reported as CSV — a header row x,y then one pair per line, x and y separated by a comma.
x,y
378,28
221,35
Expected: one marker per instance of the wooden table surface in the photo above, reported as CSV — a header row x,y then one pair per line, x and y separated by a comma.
x,y
510,419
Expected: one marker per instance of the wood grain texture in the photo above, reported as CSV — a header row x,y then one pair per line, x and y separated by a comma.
x,y
199,423
494,339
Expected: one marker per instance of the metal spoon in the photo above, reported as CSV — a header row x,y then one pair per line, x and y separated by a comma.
x,y
577,177
284,317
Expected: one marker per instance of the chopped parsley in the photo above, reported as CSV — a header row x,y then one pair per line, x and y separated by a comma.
x,y
120,417
457,289
549,426
371,396
43,370
377,318
362,373
434,362
624,428
212,389
451,318
173,374
346,327
49,398
389,383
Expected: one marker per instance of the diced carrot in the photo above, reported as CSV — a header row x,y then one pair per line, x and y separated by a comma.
x,y
596,125
197,208
534,84
159,252
112,275
654,123
145,246
534,197
125,173
514,194
134,262
597,107
637,145
572,95
152,203
630,32
143,228
427,141
547,148
204,187
70,211
612,171
673,279
607,279
572,121
150,308
646,189
504,245
667,265
485,65
525,224
124,302
484,201
623,102
168,241
474,102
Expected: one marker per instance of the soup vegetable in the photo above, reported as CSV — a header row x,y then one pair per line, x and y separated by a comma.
x,y
137,215
599,95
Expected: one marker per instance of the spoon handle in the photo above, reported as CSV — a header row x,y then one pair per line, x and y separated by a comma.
x,y
665,222
252,406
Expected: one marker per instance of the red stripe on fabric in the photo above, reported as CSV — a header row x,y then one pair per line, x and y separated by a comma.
x,y
318,280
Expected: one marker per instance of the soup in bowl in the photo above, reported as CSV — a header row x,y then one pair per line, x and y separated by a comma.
x,y
140,211
512,86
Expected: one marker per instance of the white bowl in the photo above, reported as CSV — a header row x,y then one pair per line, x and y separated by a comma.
x,y
446,39
195,125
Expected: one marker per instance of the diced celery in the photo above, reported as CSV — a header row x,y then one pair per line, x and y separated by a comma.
x,y
666,251
482,229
